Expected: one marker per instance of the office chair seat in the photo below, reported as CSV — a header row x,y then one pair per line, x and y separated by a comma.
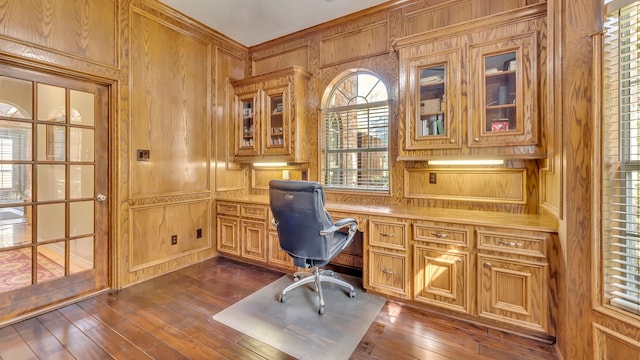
x,y
308,234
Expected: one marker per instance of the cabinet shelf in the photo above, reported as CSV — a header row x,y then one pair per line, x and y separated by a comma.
x,y
499,73
503,106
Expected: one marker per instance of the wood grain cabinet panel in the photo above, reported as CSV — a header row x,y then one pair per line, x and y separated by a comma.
x,y
253,240
442,278
275,255
514,292
388,234
228,234
388,273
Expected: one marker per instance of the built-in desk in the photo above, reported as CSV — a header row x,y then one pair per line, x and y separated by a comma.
x,y
482,266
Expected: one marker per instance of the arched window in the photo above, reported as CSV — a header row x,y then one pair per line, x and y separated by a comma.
x,y
354,143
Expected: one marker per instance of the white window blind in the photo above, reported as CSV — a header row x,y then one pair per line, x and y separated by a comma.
x,y
355,134
621,159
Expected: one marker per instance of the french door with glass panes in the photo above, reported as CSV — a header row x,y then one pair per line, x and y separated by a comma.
x,y
53,190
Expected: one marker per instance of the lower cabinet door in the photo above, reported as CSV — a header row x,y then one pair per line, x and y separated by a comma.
x,y
253,237
227,235
276,255
442,278
513,291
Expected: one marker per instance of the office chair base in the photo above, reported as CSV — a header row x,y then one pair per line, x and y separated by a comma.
x,y
317,277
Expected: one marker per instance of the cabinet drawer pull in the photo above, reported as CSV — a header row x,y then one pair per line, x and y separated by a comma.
x,y
388,272
509,243
388,235
487,264
452,140
440,235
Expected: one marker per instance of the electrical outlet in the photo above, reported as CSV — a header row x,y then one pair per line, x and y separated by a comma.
x,y
198,233
142,155
174,239
432,178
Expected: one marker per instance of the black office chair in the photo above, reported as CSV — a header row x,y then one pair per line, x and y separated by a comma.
x,y
308,234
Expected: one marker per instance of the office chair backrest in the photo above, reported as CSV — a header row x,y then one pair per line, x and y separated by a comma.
x,y
298,209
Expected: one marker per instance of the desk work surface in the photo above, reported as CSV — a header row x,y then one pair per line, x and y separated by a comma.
x,y
537,222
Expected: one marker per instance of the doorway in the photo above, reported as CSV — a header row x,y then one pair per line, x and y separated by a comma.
x,y
54,187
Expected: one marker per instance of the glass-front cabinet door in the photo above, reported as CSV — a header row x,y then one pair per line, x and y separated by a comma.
x,y
503,93
432,119
247,124
277,119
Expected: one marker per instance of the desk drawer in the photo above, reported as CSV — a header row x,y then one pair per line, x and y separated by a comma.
x,y
228,208
252,211
520,242
388,234
443,233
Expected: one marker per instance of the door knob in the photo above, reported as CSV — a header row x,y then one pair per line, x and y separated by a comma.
x,y
101,197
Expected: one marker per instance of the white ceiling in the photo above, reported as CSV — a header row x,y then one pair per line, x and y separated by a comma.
x,y
251,22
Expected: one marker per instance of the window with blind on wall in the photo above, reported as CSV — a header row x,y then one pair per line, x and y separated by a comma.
x,y
620,200
355,134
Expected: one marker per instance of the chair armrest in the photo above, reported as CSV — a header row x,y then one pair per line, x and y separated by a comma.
x,y
352,223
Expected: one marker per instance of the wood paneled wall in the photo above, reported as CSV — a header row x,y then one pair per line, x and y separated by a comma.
x,y
170,83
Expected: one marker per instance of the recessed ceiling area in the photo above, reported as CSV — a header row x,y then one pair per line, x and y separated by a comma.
x,y
252,22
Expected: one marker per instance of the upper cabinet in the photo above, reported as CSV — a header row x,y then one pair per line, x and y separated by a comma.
x,y
502,87
471,90
269,117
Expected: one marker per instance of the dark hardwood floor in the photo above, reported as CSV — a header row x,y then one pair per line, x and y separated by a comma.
x,y
170,317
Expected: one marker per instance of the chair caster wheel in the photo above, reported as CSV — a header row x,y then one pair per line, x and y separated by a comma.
x,y
321,310
352,293
282,298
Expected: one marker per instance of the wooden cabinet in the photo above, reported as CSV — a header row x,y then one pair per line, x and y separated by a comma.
x,y
242,230
502,90
269,117
471,90
512,277
227,228
388,261
276,256
442,265
433,113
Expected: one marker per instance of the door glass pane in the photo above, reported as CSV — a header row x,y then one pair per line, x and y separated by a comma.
x,y
500,90
80,144
15,269
51,182
432,101
16,140
81,181
81,254
50,222
51,142
81,218
51,103
14,232
248,123
50,262
82,107
276,123
16,98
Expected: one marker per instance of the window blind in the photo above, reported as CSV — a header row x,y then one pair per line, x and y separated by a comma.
x,y
621,159
355,142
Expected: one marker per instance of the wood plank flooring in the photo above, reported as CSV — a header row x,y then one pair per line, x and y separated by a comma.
x,y
170,317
